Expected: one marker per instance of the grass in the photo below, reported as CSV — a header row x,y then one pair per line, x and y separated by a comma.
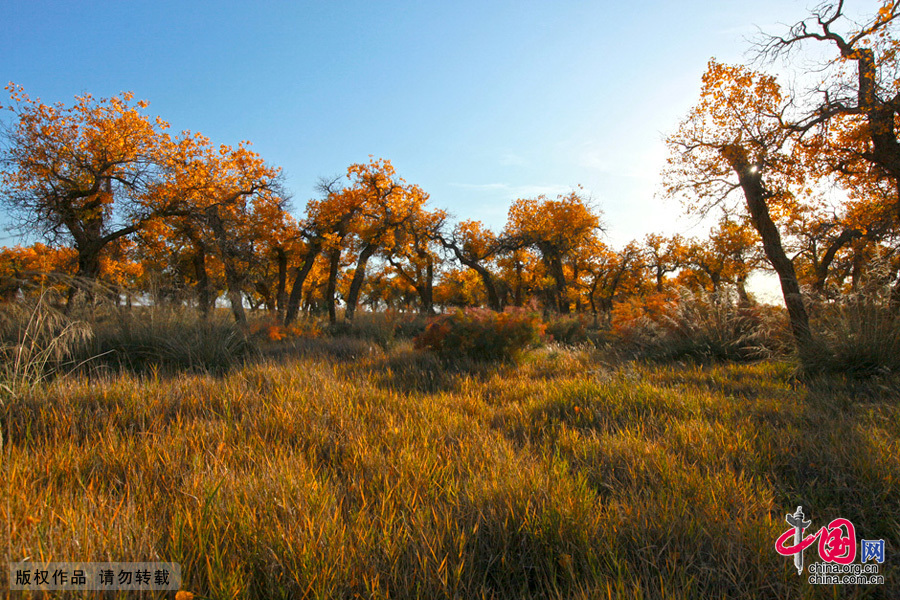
x,y
326,471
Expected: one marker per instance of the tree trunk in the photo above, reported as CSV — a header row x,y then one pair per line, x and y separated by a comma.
x,y
334,263
427,292
293,303
281,292
229,257
358,276
236,299
756,195
743,297
554,265
823,265
204,297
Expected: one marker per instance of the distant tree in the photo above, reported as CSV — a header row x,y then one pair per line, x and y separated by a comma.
x,y
664,255
727,256
224,194
29,269
415,255
387,207
475,246
556,228
613,274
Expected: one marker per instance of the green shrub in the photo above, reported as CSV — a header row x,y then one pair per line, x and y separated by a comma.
x,y
481,334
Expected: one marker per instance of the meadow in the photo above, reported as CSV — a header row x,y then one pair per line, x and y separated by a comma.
x,y
346,466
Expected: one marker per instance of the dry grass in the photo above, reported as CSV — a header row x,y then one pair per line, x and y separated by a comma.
x,y
335,472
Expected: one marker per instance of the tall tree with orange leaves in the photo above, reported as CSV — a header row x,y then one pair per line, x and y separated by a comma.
x,y
475,246
734,140
81,173
388,205
854,122
223,192
850,126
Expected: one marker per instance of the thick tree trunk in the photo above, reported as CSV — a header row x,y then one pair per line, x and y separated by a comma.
x,y
756,195
293,302
554,265
281,291
86,277
426,292
518,296
334,263
236,299
359,276
229,255
743,297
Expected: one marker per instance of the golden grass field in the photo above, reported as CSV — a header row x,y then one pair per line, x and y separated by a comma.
x,y
335,469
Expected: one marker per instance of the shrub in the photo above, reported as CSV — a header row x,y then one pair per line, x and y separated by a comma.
x,y
567,330
481,334
384,329
272,330
375,328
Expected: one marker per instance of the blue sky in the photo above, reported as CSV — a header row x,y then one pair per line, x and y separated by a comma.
x,y
477,102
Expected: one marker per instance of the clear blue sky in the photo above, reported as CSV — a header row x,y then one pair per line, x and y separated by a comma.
x,y
478,102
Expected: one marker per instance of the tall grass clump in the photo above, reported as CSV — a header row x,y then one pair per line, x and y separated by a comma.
x,y
858,335
482,335
568,330
169,339
384,329
703,327
36,340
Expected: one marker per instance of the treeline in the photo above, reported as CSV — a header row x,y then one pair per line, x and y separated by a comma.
x,y
174,218
178,220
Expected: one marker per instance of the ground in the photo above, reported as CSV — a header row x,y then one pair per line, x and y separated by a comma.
x,y
336,470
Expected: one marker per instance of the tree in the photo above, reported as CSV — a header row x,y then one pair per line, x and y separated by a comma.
x,y
728,255
387,204
414,255
81,173
821,238
475,246
324,229
734,139
855,122
31,269
556,228
223,193
611,273
663,255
